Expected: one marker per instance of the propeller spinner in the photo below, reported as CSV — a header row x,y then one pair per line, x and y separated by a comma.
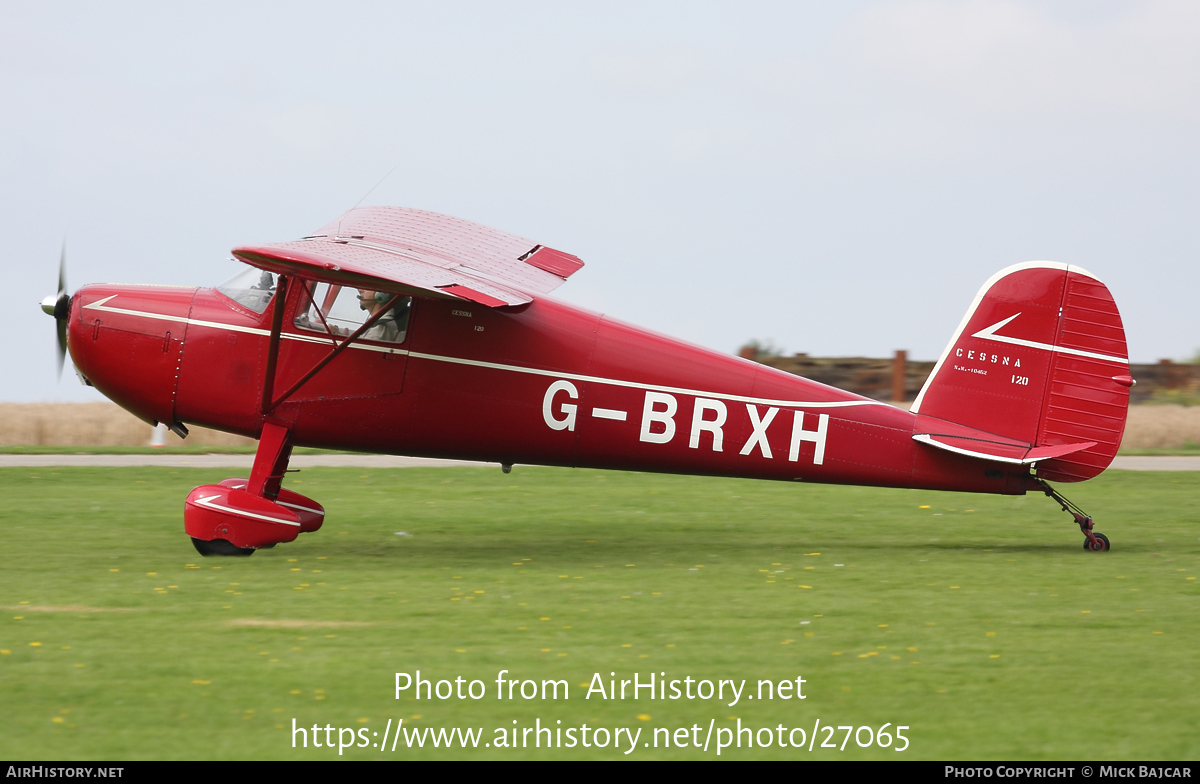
x,y
57,306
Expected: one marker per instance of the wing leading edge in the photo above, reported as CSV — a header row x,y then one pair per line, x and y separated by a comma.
x,y
407,251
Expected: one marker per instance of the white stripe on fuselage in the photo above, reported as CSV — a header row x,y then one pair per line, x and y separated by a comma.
x,y
322,340
616,382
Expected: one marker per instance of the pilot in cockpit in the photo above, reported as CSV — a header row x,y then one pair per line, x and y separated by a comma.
x,y
387,327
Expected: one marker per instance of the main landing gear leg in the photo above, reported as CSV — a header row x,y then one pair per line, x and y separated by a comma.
x,y
239,516
1093,540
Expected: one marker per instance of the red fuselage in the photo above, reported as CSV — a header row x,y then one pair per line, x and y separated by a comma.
x,y
544,383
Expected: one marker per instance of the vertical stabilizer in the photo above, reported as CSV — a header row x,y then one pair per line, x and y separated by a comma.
x,y
1039,358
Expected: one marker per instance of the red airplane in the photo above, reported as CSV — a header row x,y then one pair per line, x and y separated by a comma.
x,y
406,332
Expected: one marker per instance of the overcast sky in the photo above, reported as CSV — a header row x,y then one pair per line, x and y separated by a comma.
x,y
839,178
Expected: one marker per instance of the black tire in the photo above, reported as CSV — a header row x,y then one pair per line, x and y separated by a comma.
x,y
1101,539
220,547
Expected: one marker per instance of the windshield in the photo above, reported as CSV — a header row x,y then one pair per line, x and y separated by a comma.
x,y
251,288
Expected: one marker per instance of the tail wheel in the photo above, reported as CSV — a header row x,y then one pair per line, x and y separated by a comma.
x,y
220,547
1100,545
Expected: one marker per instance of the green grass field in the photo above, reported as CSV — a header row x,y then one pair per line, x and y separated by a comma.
x,y
979,622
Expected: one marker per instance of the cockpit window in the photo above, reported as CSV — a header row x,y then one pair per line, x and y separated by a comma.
x,y
345,309
252,288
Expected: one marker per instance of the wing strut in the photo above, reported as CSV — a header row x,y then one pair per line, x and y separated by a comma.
x,y
281,287
269,402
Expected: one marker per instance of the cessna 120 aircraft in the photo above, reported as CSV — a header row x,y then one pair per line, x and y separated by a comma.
x,y
406,332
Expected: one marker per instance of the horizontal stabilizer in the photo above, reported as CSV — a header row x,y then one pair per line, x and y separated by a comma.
x,y
407,251
999,451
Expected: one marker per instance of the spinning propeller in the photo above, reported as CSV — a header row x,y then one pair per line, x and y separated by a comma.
x,y
57,306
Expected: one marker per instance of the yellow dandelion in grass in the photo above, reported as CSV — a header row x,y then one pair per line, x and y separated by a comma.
x,y
201,683
670,645
363,720
883,626
911,650
18,617
5,652
544,618
294,691
808,634
562,654
895,658
460,650
787,642
923,506
415,716
1158,632
805,586
479,592
624,597
836,653
990,634
544,650
994,656
643,717
626,645
58,720
643,656
955,587
35,645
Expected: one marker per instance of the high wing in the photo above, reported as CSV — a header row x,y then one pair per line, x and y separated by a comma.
x,y
407,251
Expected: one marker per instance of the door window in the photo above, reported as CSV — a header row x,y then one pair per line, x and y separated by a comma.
x,y
344,309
